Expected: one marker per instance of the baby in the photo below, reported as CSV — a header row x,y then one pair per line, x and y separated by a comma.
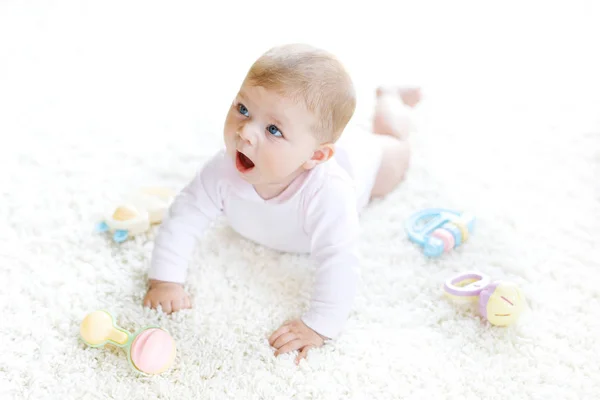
x,y
287,179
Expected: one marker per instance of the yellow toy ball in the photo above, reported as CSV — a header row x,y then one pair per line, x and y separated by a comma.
x,y
501,303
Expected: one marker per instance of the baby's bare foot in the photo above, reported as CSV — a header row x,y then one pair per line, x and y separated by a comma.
x,y
392,110
410,95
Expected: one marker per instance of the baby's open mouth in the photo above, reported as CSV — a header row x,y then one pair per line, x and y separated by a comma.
x,y
243,163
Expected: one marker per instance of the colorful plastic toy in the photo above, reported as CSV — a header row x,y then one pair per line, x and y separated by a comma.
x,y
439,230
500,302
150,351
137,213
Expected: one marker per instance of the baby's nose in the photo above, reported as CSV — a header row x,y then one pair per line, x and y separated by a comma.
x,y
248,133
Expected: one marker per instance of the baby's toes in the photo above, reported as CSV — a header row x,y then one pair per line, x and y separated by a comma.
x,y
411,96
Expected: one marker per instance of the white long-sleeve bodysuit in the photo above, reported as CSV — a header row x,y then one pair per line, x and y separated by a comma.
x,y
316,214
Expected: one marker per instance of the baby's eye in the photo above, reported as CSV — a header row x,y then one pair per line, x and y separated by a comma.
x,y
243,110
273,130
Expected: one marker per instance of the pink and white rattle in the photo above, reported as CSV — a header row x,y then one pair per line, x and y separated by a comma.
x,y
500,302
151,350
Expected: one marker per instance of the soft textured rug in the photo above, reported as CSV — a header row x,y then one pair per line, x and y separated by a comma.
x,y
85,130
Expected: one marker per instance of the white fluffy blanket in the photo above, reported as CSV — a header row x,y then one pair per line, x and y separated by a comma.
x,y
97,99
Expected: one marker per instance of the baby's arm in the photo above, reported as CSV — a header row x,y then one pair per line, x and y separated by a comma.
x,y
192,211
332,222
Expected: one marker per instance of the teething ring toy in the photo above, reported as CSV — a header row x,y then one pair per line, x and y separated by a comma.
x,y
439,230
138,212
499,302
467,285
151,350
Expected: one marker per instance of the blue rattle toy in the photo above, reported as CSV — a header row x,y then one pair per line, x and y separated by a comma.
x,y
439,230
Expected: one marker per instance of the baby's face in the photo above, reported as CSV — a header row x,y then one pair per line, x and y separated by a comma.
x,y
268,136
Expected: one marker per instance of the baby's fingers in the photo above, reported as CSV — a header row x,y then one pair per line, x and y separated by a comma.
x,y
166,306
176,305
186,302
154,302
303,353
277,333
284,339
290,346
150,300
180,304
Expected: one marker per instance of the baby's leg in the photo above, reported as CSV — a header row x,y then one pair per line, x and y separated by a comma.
x,y
392,124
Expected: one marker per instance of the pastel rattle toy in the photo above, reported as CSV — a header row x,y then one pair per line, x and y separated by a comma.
x,y
136,214
150,351
439,230
500,302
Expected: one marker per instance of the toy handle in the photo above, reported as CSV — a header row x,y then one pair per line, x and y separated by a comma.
x,y
118,336
468,284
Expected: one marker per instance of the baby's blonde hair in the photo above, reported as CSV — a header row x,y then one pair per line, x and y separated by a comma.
x,y
313,76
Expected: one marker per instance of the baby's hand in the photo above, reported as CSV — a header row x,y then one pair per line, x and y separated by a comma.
x,y
295,335
169,295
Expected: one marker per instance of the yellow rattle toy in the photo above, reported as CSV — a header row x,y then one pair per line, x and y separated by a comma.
x,y
500,302
150,351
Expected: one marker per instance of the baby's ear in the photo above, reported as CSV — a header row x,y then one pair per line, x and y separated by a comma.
x,y
322,154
